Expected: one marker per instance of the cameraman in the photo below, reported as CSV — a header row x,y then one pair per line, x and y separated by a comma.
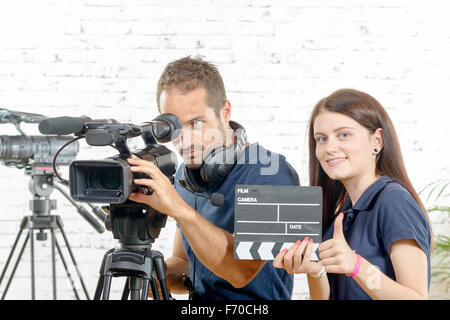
x,y
193,90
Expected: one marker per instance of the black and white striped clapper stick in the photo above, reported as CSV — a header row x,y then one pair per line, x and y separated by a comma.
x,y
269,219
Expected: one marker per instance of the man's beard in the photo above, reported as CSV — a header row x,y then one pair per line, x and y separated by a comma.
x,y
200,152
193,160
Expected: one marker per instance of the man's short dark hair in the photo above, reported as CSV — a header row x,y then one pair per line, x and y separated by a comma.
x,y
187,74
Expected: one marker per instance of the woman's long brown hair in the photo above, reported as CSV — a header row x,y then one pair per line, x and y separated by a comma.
x,y
369,113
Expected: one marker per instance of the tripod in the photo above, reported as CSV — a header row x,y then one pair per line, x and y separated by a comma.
x,y
41,186
136,226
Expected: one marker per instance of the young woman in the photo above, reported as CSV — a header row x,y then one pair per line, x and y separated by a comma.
x,y
377,235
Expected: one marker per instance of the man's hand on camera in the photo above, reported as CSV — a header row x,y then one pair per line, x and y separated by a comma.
x,y
164,198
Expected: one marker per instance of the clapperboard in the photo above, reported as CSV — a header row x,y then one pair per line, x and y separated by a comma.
x,y
269,219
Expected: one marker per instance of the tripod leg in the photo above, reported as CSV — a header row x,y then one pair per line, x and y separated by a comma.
x,y
33,290
164,291
15,266
135,287
72,257
52,232
101,278
160,269
67,269
126,289
144,295
99,289
10,255
106,287
154,288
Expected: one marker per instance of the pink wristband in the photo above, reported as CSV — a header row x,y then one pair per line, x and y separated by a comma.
x,y
356,268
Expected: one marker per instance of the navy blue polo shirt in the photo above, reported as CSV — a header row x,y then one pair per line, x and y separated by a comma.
x,y
386,212
252,167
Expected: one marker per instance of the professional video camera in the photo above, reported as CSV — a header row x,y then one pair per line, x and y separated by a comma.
x,y
110,181
36,154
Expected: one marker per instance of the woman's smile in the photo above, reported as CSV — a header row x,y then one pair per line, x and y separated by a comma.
x,y
336,161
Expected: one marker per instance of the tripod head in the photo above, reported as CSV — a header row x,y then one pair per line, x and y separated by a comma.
x,y
135,225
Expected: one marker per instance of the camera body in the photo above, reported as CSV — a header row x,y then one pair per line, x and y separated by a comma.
x,y
29,152
111,180
19,151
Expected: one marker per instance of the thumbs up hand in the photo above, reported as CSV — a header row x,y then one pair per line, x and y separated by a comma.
x,y
338,232
335,254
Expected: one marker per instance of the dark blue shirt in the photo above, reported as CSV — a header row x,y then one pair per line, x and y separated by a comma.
x,y
386,212
252,168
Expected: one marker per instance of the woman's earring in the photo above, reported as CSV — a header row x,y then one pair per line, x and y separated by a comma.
x,y
375,151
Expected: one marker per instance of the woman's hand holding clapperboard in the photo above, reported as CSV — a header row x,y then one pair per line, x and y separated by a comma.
x,y
298,258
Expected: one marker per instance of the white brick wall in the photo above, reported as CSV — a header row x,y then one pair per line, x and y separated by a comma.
x,y
277,58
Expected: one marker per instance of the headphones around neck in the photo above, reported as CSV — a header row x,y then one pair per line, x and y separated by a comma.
x,y
216,165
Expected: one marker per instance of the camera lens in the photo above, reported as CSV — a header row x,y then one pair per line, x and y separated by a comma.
x,y
107,178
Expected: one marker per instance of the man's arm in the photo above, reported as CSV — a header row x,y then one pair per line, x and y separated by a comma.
x,y
212,245
214,248
177,264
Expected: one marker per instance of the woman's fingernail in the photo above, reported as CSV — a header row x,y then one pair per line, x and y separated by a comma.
x,y
298,242
306,239
284,250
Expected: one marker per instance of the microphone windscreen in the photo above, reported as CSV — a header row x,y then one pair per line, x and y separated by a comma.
x,y
217,199
61,125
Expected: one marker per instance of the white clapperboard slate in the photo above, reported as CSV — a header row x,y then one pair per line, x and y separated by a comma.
x,y
269,219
